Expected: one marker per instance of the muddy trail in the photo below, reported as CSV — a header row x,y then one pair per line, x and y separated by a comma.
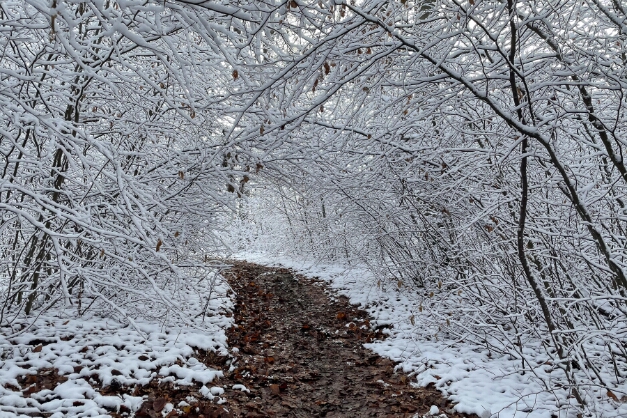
x,y
297,352
301,354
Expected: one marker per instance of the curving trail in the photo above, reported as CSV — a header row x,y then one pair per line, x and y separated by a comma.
x,y
301,354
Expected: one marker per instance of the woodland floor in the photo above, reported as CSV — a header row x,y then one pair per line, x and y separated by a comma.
x,y
301,354
297,352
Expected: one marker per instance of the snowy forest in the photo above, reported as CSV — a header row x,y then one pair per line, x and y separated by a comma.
x,y
464,156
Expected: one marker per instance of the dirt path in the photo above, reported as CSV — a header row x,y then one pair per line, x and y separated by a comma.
x,y
297,353
301,354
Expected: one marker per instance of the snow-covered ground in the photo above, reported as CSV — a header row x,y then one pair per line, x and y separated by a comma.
x,y
93,352
476,380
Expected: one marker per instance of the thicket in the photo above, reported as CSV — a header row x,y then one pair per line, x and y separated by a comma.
x,y
470,149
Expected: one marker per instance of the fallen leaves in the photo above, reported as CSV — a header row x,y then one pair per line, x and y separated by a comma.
x,y
159,404
45,379
301,354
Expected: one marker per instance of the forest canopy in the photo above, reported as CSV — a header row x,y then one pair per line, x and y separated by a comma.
x,y
472,150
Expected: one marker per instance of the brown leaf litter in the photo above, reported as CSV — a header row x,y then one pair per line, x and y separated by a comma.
x,y
297,353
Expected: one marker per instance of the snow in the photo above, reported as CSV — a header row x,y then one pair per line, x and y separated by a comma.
x,y
476,380
92,351
167,409
216,391
204,391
